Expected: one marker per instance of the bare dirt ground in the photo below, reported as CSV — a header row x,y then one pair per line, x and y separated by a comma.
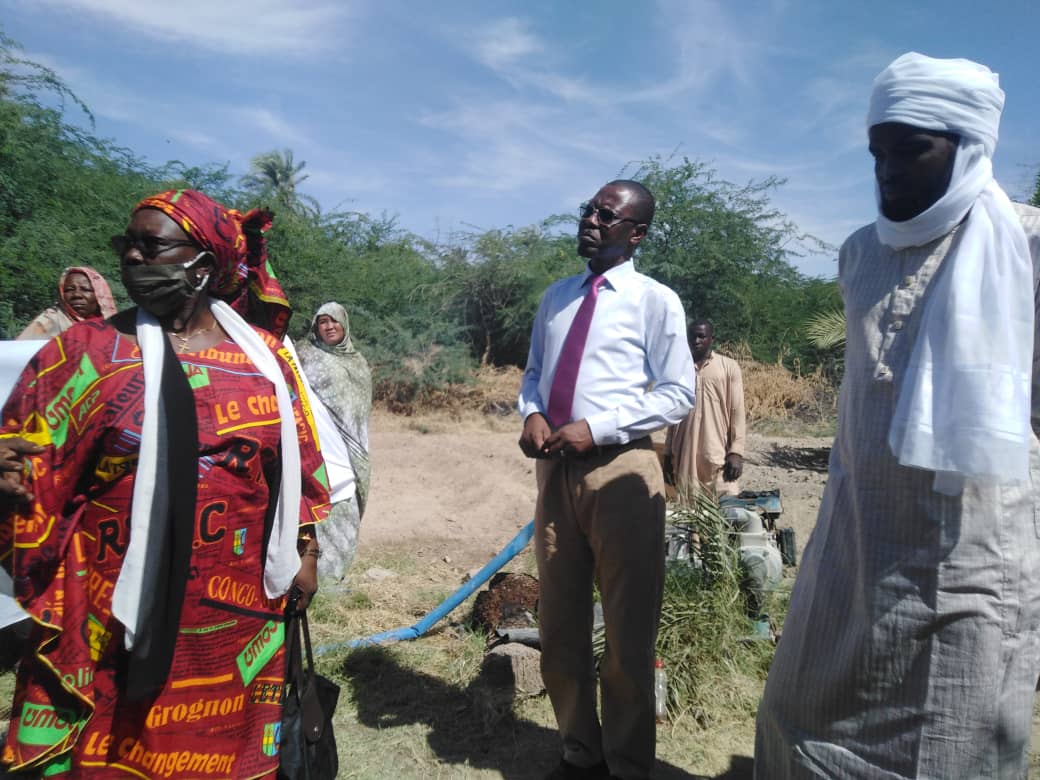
x,y
463,489
454,492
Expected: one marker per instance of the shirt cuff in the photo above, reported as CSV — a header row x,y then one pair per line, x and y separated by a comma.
x,y
603,427
530,408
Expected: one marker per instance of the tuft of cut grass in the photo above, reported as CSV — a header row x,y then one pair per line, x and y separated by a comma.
x,y
715,671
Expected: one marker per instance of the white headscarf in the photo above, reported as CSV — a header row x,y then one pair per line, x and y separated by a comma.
x,y
964,406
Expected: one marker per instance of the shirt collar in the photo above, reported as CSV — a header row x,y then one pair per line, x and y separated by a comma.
x,y
617,277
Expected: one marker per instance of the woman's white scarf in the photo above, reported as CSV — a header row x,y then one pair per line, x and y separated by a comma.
x,y
964,406
283,561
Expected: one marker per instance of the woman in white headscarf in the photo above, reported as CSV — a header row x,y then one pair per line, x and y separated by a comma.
x,y
340,378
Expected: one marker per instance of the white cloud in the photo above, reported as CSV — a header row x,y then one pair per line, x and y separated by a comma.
x,y
505,144
505,166
710,46
261,28
511,121
285,133
342,181
512,51
192,137
502,43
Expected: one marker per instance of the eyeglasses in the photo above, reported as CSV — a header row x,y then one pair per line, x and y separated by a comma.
x,y
150,247
606,217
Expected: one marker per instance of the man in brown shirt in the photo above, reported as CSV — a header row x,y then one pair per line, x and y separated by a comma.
x,y
707,448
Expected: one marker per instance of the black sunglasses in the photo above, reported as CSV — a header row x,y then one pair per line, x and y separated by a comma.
x,y
605,216
150,247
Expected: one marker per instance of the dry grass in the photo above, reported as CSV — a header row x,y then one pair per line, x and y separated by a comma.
x,y
779,400
491,391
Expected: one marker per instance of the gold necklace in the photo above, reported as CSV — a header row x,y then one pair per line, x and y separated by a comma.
x,y
185,340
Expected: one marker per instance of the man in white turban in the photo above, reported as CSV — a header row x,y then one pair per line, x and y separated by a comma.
x,y
912,644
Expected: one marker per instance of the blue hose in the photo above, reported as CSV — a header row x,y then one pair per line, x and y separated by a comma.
x,y
510,551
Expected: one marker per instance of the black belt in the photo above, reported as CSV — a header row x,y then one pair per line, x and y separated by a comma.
x,y
605,450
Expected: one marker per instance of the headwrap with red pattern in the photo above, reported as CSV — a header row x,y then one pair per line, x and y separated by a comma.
x,y
242,275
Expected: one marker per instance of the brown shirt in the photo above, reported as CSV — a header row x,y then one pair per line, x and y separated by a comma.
x,y
716,426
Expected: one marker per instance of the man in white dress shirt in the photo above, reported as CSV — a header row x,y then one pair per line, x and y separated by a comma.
x,y
912,645
600,339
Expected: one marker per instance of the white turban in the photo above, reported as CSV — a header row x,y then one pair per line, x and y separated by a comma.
x,y
964,403
956,96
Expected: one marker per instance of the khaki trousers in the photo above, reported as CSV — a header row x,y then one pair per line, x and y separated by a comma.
x,y
602,518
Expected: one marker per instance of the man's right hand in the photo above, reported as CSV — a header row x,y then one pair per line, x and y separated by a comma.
x,y
12,463
536,431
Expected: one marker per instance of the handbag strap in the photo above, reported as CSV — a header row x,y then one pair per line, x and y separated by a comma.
x,y
305,626
294,670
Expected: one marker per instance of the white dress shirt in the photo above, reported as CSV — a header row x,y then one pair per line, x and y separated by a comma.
x,y
637,374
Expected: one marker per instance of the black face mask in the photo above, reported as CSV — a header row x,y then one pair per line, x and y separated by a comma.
x,y
162,290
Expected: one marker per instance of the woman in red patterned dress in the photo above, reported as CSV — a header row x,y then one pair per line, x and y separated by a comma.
x,y
172,509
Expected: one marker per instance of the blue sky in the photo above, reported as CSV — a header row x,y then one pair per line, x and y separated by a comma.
x,y
460,116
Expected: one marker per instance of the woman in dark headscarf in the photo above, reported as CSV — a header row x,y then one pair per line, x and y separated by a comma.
x,y
169,514
83,294
340,378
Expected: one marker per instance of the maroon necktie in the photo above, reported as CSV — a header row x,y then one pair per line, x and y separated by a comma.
x,y
565,380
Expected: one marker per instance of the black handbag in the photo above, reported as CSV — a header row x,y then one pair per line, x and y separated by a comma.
x,y
308,742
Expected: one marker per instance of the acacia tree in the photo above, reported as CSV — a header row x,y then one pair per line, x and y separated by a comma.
x,y
494,280
1035,201
275,175
726,250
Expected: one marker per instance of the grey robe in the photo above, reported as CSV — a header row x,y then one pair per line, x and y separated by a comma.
x,y
912,645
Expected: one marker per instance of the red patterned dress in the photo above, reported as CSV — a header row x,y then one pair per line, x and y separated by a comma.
x,y
219,713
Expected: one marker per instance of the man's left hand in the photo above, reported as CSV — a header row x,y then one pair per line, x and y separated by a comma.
x,y
575,437
733,467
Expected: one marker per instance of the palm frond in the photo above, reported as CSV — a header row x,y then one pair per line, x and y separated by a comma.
x,y
826,330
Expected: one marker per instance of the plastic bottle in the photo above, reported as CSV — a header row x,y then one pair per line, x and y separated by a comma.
x,y
660,691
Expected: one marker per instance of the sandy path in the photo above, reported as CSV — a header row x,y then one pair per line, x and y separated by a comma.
x,y
459,490
463,489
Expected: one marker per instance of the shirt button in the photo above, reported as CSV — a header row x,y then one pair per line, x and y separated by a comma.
x,y
883,372
908,281
897,325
